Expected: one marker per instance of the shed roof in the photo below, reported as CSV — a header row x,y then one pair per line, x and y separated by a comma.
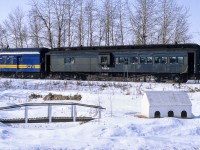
x,y
168,98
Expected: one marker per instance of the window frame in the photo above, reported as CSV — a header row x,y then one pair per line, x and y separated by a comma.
x,y
132,60
170,60
69,60
4,59
161,58
11,59
182,60
145,60
121,60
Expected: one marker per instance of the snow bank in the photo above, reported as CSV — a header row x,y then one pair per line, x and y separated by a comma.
x,y
119,128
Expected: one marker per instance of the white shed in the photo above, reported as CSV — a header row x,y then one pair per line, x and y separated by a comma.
x,y
156,104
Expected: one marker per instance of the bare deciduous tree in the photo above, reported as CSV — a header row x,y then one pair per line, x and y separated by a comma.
x,y
35,29
173,25
16,28
143,20
181,30
59,15
43,12
59,23
80,25
3,37
90,18
71,6
108,18
166,21
121,22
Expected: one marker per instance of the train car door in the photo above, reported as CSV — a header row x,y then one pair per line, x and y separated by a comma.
x,y
19,58
47,63
190,63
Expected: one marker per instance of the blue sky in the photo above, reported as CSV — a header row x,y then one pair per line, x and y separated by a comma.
x,y
8,5
194,19
194,5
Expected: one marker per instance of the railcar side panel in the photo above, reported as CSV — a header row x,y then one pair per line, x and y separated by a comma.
x,y
22,60
158,60
20,63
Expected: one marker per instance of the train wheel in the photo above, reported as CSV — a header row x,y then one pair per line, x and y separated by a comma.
x,y
177,78
157,78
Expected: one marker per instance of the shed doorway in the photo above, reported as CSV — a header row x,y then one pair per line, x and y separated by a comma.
x,y
184,114
170,114
157,114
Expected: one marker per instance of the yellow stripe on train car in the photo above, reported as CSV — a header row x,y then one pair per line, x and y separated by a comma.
x,y
8,66
33,66
37,66
19,66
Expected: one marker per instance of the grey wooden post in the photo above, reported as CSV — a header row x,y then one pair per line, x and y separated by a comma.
x,y
74,113
50,113
26,114
99,110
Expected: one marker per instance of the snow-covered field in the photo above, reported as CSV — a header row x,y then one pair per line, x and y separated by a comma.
x,y
119,127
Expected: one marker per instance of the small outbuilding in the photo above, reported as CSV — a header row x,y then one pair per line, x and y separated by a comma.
x,y
156,104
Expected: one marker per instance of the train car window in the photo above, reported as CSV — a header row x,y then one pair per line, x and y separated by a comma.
x,y
134,60
142,60
69,60
125,60
117,60
180,60
11,60
3,60
149,60
121,60
104,60
160,60
172,60
164,60
72,60
157,60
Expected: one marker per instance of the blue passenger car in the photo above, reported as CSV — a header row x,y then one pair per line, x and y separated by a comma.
x,y
22,62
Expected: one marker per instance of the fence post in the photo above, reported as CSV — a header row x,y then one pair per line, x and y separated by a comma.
x,y
26,114
99,110
74,113
50,113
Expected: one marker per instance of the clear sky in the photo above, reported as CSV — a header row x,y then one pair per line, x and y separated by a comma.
x,y
7,6
194,19
194,7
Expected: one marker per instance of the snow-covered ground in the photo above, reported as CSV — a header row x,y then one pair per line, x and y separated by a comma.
x,y
119,127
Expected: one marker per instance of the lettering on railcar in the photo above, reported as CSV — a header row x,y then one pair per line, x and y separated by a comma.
x,y
30,66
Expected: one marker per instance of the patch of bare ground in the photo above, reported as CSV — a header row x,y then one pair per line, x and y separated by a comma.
x,y
51,96
140,116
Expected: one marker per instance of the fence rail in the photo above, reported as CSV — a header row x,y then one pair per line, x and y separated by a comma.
x,y
50,118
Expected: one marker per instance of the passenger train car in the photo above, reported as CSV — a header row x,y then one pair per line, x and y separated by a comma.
x,y
23,62
178,62
162,62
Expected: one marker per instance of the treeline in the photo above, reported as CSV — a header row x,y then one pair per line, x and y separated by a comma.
x,y
66,23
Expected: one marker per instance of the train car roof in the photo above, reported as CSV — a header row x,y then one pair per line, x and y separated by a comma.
x,y
124,47
22,50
